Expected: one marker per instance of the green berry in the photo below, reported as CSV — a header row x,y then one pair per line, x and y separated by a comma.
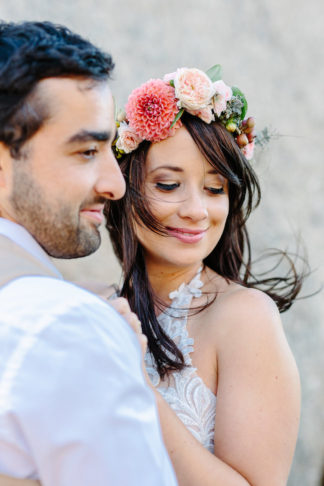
x,y
231,126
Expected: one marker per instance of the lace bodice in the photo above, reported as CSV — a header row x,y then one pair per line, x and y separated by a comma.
x,y
193,402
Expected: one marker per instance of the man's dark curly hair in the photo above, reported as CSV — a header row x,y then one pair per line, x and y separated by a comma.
x,y
30,52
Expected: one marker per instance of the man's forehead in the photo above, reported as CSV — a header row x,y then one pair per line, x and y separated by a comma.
x,y
70,96
70,106
65,84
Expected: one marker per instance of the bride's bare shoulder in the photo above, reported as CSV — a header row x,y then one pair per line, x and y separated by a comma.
x,y
238,308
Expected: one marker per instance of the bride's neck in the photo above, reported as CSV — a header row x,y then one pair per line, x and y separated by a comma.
x,y
165,279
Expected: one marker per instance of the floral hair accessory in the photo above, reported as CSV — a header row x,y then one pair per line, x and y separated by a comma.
x,y
153,111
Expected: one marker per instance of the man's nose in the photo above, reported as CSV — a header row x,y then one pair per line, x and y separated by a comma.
x,y
110,181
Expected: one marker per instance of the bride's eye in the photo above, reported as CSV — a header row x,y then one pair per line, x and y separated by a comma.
x,y
166,187
216,190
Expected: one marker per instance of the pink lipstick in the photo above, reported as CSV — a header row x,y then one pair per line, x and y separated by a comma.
x,y
186,235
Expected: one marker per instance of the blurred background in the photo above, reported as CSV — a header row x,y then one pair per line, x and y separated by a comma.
x,y
273,51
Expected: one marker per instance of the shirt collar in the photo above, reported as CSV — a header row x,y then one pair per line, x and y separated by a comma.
x,y
21,237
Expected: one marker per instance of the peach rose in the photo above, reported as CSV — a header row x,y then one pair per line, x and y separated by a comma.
x,y
193,88
127,140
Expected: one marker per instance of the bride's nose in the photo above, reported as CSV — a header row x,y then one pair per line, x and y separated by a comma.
x,y
194,206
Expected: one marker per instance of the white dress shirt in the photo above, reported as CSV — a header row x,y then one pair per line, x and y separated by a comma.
x,y
74,407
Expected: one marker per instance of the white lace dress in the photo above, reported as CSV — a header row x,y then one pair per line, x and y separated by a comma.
x,y
192,401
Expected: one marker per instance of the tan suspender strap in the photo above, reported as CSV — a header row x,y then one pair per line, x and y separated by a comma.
x,y
16,262
9,481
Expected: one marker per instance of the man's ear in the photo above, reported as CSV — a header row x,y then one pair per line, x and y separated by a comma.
x,y
4,154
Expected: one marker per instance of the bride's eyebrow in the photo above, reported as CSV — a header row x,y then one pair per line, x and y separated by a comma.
x,y
168,167
217,173
213,171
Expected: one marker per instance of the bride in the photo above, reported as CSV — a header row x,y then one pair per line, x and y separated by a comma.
x,y
225,380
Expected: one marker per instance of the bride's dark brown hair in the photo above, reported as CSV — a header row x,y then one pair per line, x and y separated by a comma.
x,y
231,257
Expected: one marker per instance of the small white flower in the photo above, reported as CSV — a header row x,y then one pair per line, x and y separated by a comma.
x,y
223,93
127,140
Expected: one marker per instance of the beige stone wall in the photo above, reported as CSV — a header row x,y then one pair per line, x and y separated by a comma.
x,y
272,50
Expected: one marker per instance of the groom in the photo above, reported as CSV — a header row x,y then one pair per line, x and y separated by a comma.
x,y
74,408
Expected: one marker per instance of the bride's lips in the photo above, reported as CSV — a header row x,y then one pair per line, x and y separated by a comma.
x,y
186,235
94,213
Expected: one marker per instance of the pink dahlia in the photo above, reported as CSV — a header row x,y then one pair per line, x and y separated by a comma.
x,y
151,109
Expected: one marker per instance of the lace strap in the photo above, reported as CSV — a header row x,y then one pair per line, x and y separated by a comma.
x,y
173,321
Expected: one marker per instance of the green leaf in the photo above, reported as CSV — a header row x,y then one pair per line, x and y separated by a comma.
x,y
178,116
215,72
171,83
237,92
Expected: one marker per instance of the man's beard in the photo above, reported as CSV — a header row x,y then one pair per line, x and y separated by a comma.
x,y
54,225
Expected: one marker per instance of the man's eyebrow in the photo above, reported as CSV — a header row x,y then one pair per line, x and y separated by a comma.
x,y
88,136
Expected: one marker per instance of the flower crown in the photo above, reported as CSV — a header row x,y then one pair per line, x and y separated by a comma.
x,y
153,111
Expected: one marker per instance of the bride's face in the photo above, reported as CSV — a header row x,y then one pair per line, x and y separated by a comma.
x,y
188,197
